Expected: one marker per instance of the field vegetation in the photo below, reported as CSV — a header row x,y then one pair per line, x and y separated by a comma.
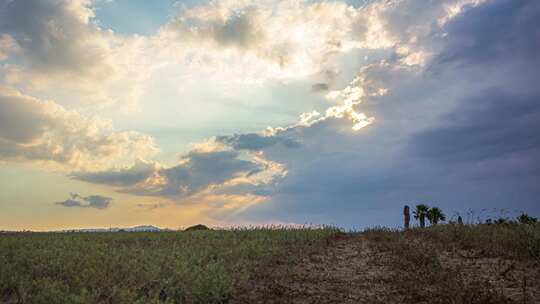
x,y
203,266
492,261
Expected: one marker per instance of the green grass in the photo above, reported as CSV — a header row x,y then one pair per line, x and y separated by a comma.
x,y
138,267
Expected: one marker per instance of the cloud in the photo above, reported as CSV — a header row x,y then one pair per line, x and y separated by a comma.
x,y
254,141
200,170
92,201
56,43
516,23
457,131
38,130
229,41
237,171
197,173
493,124
56,36
8,45
272,39
320,87
139,172
238,30
445,113
152,206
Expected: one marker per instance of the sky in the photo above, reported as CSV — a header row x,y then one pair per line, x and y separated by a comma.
x,y
118,113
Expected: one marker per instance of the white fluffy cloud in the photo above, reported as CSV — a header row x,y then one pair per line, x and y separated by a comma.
x,y
297,39
271,39
38,130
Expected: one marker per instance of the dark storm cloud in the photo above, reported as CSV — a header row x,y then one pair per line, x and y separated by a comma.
x,y
493,124
92,201
500,39
497,31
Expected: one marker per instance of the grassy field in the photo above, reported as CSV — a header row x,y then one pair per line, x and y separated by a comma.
x,y
138,267
486,263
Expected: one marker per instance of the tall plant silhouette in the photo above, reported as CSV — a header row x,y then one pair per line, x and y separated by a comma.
x,y
406,216
420,214
435,215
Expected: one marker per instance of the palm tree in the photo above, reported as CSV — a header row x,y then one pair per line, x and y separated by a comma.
x,y
420,214
435,215
524,218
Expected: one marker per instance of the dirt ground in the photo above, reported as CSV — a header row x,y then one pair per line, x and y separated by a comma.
x,y
351,270
344,272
